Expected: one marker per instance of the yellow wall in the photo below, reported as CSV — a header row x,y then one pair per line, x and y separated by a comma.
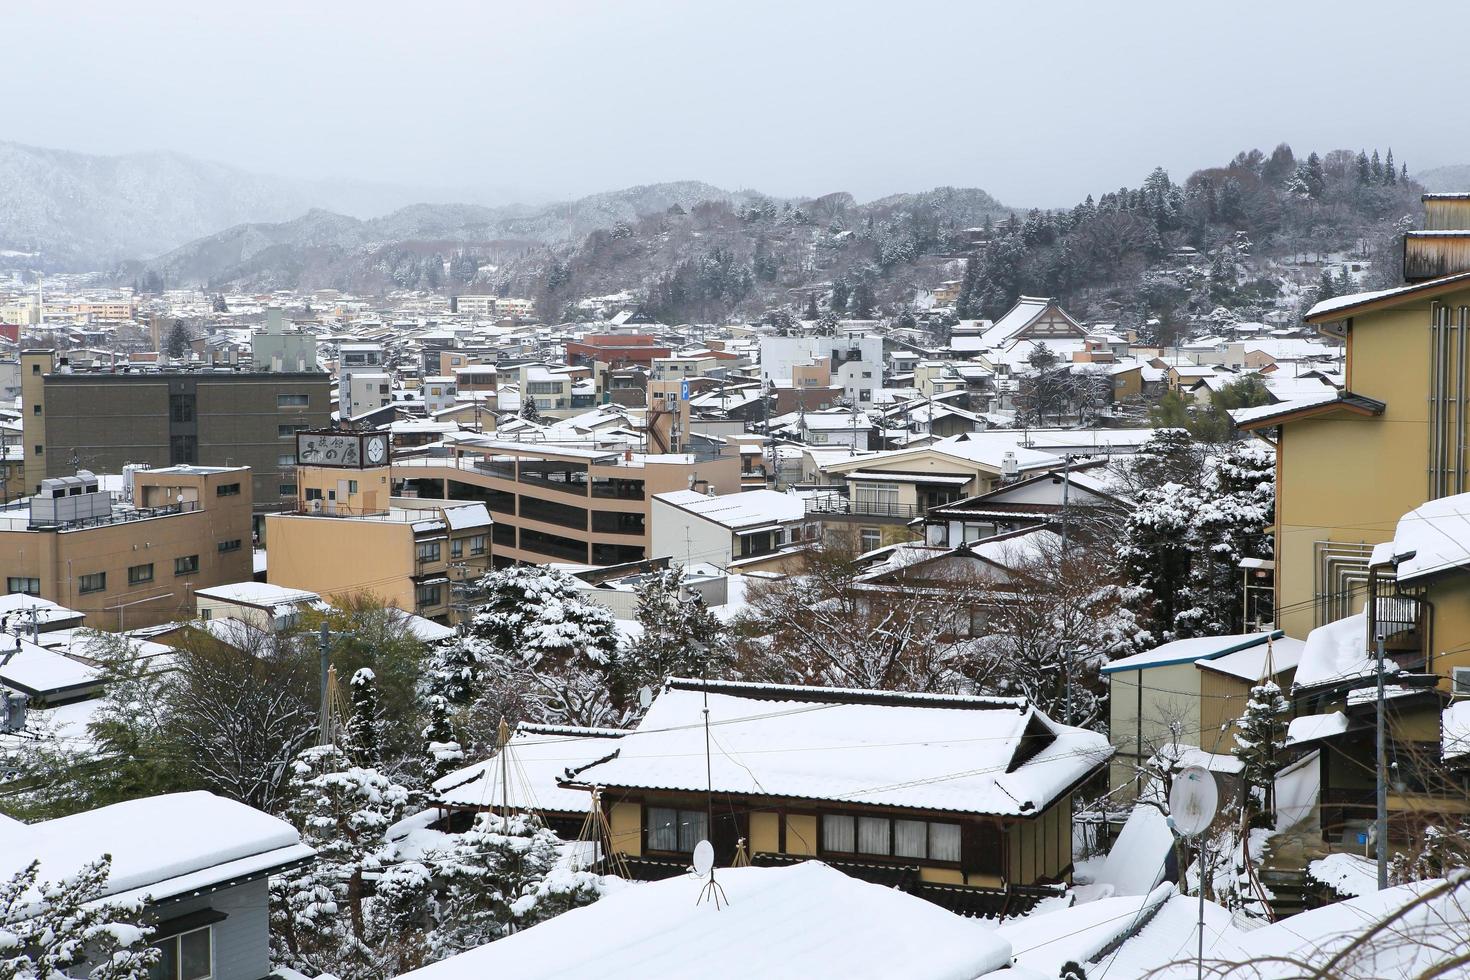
x,y
1222,702
335,556
1450,635
801,834
626,821
765,832
1170,697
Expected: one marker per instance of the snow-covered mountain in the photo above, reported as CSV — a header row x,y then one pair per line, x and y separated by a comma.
x,y
79,210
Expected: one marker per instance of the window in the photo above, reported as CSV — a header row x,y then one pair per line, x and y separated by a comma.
x,y
428,551
35,409
292,401
182,449
227,490
876,498
477,544
944,842
286,460
352,486
231,545
1460,683
138,574
910,838
869,539
872,835
96,582
40,450
428,595
186,565
28,586
456,548
287,431
35,369
181,408
839,833
676,830
288,489
189,956
313,493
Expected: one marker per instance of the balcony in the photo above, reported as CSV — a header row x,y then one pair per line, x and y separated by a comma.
x,y
838,506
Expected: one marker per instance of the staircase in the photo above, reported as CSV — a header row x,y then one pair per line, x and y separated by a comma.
x,y
1283,872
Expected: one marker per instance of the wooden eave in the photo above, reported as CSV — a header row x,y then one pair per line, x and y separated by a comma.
x,y
1359,405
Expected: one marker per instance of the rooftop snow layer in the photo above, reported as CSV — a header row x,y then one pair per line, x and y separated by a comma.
x,y
536,762
1438,532
1190,651
893,753
1337,652
802,921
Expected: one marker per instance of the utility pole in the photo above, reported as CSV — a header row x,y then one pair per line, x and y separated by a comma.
x,y
1381,824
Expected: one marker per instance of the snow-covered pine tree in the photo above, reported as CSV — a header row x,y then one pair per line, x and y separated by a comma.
x,y
529,411
343,812
505,874
680,638
1260,737
1072,970
442,750
72,929
362,739
1156,555
455,669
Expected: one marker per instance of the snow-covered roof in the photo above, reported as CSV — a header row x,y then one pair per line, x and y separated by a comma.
x,y
1337,652
537,759
926,752
34,670
260,594
807,920
1241,416
1136,862
1250,664
16,610
421,629
161,846
739,511
1438,533
463,516
1310,728
1190,651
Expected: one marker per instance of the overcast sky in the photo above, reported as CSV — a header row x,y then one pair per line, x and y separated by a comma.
x,y
1038,102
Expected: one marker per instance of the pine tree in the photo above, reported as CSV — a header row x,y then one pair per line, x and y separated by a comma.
x,y
1375,168
73,927
679,638
1261,736
1365,174
1326,285
176,344
362,740
1316,178
455,670
1390,175
529,411
967,302
441,747
811,307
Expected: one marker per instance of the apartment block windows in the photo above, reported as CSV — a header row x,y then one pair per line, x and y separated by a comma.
x,y
293,401
139,574
227,490
96,582
227,546
289,431
428,595
181,408
182,449
428,551
187,565
23,585
881,837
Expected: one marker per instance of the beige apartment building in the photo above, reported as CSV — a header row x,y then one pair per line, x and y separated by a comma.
x,y
348,536
133,558
585,503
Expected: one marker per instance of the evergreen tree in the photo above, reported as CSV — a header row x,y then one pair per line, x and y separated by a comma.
x,y
1260,738
679,638
176,344
1316,178
441,747
1072,970
362,739
1375,168
1390,176
73,927
529,411
862,303
811,307
1326,285
1365,174
840,291
967,302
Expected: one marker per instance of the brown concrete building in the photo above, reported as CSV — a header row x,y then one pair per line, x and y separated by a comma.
x,y
130,562
616,350
583,503
103,421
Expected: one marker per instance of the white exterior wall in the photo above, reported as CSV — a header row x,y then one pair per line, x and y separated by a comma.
x,y
677,534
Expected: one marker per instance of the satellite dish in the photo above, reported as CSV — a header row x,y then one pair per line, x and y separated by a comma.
x,y
704,859
1193,801
645,696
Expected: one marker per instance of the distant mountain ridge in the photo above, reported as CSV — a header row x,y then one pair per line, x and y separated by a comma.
x,y
1442,180
65,210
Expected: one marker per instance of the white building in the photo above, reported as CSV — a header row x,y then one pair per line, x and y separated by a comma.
x,y
694,527
856,360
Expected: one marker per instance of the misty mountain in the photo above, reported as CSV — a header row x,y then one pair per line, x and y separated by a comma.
x,y
1454,178
65,210
323,248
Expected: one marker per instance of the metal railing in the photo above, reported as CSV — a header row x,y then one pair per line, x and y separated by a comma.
x,y
863,508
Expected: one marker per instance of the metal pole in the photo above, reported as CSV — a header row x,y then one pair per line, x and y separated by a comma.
x,y
1199,963
1381,826
324,735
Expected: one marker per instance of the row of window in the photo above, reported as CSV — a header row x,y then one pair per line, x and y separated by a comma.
x,y
137,574
430,551
671,829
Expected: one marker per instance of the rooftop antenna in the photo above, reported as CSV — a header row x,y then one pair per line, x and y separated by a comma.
x,y
704,851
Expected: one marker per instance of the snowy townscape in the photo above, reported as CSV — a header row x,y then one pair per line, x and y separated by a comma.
x,y
426,560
